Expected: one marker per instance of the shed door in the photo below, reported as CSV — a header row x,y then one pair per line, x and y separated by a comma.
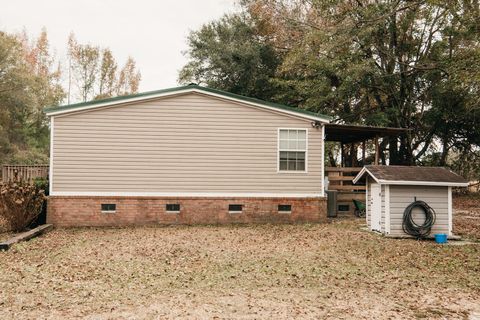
x,y
376,207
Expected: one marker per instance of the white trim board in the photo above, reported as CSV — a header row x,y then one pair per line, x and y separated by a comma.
x,y
450,211
376,208
361,173
183,91
323,161
186,194
50,169
367,216
387,209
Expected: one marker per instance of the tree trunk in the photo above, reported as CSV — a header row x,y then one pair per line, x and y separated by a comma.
x,y
394,155
331,159
382,147
443,157
353,155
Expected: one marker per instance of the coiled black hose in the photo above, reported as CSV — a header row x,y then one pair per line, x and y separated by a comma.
x,y
413,229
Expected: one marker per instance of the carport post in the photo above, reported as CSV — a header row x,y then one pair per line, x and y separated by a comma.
x,y
377,151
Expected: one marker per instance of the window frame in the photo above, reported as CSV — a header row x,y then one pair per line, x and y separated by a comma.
x,y
108,211
284,211
297,150
173,204
235,211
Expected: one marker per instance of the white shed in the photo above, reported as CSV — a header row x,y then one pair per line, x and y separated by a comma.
x,y
391,189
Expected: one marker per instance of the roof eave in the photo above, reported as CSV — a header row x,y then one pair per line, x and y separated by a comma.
x,y
424,183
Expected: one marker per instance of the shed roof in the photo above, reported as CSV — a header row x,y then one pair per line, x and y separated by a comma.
x,y
411,175
57,110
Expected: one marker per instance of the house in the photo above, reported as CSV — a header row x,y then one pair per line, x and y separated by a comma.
x,y
391,189
185,155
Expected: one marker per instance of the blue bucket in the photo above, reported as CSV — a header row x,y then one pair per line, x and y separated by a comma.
x,y
441,238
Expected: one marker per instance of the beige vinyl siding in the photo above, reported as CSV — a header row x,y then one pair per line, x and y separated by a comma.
x,y
402,196
190,143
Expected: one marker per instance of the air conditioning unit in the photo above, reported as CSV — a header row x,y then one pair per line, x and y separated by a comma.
x,y
331,203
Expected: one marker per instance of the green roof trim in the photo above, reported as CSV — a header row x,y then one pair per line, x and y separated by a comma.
x,y
146,95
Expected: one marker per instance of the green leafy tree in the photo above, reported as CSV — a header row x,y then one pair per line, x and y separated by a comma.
x,y
95,72
84,63
108,75
229,54
129,78
29,80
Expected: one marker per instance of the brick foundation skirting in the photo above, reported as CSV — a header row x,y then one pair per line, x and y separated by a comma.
x,y
74,211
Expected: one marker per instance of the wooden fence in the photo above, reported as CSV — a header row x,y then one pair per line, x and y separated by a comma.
x,y
341,179
24,173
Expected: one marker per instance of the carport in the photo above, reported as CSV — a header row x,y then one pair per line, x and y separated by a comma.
x,y
342,191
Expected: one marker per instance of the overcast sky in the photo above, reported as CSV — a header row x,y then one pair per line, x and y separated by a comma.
x,y
153,32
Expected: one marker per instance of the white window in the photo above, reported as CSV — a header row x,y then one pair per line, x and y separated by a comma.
x,y
292,150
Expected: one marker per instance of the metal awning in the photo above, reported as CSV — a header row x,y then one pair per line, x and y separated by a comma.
x,y
347,133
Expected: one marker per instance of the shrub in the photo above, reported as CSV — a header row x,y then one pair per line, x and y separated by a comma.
x,y
42,184
20,204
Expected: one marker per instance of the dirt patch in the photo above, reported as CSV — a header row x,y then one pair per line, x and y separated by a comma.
x,y
333,270
466,216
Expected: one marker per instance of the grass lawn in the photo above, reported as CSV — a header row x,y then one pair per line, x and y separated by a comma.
x,y
331,270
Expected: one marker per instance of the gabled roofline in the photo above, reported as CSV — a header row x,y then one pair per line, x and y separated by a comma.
x,y
53,111
362,173
405,182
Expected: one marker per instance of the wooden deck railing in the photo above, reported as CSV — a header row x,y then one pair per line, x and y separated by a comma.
x,y
341,179
24,173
